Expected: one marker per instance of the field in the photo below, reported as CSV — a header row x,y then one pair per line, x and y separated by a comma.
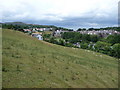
x,y
30,63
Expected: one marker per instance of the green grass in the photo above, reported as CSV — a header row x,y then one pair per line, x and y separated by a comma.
x,y
47,32
30,63
0,58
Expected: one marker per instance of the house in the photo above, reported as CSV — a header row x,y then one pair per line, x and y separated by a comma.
x,y
101,33
26,30
77,44
58,33
37,35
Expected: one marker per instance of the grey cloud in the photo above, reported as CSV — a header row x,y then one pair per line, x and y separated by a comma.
x,y
69,22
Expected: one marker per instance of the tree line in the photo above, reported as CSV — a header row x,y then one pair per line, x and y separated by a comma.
x,y
96,29
109,45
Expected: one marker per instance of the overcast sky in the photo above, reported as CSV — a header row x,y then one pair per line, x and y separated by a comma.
x,y
65,13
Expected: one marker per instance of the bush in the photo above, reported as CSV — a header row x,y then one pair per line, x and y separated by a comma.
x,y
116,50
102,47
61,42
113,39
68,45
52,40
84,45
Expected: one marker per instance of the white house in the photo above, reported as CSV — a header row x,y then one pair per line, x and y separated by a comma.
x,y
38,36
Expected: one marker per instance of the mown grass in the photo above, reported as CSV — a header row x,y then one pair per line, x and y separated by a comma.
x,y
30,63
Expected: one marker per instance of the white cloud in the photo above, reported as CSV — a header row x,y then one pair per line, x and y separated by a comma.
x,y
57,10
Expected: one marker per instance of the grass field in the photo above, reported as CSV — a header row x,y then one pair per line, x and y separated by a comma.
x,y
30,63
0,58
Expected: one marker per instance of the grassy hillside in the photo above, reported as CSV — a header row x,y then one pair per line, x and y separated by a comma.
x,y
30,63
0,58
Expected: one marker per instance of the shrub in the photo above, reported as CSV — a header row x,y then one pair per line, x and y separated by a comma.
x,y
84,45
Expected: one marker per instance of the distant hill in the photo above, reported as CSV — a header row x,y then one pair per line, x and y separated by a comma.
x,y
30,63
16,23
21,25
26,24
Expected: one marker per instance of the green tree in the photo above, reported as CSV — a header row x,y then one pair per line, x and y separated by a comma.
x,y
61,42
79,29
84,45
52,40
116,49
86,37
113,39
68,44
102,47
94,38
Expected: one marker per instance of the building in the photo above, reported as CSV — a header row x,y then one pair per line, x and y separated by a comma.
x,y
101,33
58,33
37,35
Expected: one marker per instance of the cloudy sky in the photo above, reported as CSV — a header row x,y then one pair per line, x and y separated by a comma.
x,y
65,13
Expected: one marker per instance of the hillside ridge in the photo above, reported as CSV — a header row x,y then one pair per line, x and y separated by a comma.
x,y
30,63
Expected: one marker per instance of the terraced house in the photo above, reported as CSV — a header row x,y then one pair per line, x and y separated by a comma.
x,y
101,33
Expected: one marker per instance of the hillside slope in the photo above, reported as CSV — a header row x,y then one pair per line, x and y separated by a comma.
x,y
30,63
